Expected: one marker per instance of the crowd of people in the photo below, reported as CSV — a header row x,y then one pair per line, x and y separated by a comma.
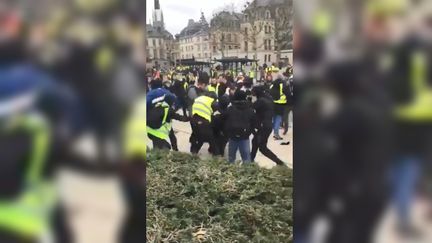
x,y
222,110
364,114
70,88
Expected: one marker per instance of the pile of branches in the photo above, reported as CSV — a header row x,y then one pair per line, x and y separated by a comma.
x,y
191,200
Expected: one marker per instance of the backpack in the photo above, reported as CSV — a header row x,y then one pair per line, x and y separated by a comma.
x,y
238,127
275,92
155,116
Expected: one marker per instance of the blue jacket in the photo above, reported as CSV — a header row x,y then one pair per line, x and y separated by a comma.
x,y
23,80
160,94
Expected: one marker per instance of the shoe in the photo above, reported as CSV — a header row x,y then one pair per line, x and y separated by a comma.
x,y
409,232
286,143
277,137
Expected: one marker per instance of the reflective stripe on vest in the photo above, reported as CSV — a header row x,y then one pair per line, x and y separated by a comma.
x,y
202,107
163,131
214,89
28,215
282,99
419,109
136,131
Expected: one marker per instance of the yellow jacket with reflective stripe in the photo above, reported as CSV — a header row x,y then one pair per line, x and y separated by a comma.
x,y
420,108
28,214
203,107
163,131
282,99
136,131
211,88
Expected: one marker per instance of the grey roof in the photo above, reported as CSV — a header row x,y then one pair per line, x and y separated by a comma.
x,y
153,32
226,20
265,3
194,28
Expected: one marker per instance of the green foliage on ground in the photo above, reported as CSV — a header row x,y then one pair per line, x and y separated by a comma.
x,y
191,200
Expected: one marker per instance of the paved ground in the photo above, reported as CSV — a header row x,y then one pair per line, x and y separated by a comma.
x,y
183,131
386,232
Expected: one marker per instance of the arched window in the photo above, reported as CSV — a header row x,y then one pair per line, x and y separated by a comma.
x,y
268,14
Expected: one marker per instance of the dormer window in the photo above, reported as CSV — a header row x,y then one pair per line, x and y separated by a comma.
x,y
268,14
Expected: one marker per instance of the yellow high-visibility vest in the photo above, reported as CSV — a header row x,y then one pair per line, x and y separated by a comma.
x,y
213,89
419,109
164,130
136,131
282,99
29,214
203,107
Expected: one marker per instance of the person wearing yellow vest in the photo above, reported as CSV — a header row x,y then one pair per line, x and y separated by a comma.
x,y
203,109
272,69
214,86
278,92
27,197
414,123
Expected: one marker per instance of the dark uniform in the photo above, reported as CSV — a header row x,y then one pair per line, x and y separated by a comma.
x,y
202,123
264,110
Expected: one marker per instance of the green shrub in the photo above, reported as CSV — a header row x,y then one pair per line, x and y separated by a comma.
x,y
191,200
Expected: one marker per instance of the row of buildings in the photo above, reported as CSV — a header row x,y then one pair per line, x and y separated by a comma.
x,y
263,31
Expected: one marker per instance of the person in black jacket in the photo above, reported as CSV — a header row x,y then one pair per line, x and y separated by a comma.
x,y
239,121
264,111
279,95
179,88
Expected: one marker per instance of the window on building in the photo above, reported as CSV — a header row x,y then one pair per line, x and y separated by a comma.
x,y
246,46
265,58
246,17
205,55
230,47
269,58
246,30
199,47
229,37
199,55
214,48
235,38
268,14
154,42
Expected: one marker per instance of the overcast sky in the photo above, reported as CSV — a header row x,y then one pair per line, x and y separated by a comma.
x,y
177,13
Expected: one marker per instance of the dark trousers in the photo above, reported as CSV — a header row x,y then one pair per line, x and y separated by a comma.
x,y
260,141
202,132
10,238
173,140
285,119
134,188
159,143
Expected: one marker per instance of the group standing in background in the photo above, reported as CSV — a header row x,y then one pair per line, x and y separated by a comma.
x,y
225,110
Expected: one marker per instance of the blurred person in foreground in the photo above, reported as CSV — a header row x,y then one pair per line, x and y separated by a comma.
x,y
410,89
344,154
37,119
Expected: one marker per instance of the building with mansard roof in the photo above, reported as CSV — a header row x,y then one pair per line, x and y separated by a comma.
x,y
159,42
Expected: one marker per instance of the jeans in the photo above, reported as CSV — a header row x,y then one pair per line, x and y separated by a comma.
x,y
277,121
406,174
243,146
